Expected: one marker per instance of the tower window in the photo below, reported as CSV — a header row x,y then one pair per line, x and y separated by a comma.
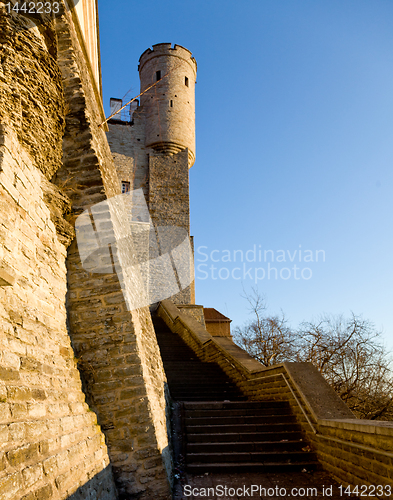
x,y
171,103
158,75
186,81
125,187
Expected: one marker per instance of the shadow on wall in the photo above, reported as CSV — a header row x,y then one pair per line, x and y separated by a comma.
x,y
100,487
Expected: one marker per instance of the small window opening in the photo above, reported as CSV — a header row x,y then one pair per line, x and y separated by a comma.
x,y
171,104
186,81
158,75
125,187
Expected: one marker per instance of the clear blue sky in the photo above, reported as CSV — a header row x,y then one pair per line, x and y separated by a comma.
x,y
294,124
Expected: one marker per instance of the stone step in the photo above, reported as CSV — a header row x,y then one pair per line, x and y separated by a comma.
x,y
223,392
247,447
242,412
192,386
208,398
223,432
251,457
245,437
199,369
241,428
236,405
225,419
244,467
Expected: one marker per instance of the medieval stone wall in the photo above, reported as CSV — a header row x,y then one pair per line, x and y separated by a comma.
x,y
52,446
127,143
116,347
169,207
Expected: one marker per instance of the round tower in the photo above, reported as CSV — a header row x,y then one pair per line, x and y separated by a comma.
x,y
169,105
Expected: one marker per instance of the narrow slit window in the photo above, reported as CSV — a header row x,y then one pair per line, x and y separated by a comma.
x,y
171,103
158,75
186,81
125,187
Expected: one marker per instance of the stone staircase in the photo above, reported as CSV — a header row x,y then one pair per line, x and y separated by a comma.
x,y
189,378
244,437
221,431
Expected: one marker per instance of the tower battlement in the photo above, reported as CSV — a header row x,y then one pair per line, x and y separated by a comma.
x,y
160,49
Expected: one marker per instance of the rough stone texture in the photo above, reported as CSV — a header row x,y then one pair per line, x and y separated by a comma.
x,y
169,203
357,451
30,89
165,183
127,143
116,348
51,444
193,310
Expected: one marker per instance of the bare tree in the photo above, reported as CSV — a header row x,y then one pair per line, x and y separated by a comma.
x,y
349,353
266,338
351,356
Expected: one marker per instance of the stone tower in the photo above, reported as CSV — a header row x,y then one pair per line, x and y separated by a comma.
x,y
155,147
169,105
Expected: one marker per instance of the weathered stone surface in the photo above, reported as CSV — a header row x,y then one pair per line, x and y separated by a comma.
x,y
115,348
31,94
170,104
38,377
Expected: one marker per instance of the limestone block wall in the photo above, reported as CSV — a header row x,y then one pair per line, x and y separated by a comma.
x,y
51,446
356,452
169,204
127,143
116,348
169,199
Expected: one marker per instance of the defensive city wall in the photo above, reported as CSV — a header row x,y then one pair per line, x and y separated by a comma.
x,y
82,389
